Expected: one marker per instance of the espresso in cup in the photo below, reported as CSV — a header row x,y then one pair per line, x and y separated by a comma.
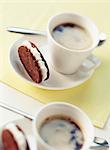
x,y
72,36
61,133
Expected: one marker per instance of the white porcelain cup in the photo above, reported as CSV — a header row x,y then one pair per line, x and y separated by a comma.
x,y
66,60
60,108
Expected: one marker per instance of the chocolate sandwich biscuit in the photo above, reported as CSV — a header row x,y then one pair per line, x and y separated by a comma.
x,y
13,138
33,61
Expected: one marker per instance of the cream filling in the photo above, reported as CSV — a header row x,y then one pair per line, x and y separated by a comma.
x,y
18,136
37,56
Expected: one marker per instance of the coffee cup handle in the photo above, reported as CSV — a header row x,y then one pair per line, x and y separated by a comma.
x,y
92,62
102,38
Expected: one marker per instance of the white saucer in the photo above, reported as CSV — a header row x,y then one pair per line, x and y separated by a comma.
x,y
56,81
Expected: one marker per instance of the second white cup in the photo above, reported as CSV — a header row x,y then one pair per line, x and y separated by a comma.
x,y
65,109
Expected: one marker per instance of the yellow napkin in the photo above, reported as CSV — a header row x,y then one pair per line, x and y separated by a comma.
x,y
94,95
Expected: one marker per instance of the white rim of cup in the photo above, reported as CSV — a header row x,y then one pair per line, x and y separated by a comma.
x,y
85,17
36,132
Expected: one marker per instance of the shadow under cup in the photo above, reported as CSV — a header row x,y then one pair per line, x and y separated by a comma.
x,y
65,109
67,60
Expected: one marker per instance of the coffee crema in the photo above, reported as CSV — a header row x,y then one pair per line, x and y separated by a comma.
x,y
72,36
62,133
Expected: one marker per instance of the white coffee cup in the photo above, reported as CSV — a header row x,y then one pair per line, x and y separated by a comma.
x,y
65,109
67,60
